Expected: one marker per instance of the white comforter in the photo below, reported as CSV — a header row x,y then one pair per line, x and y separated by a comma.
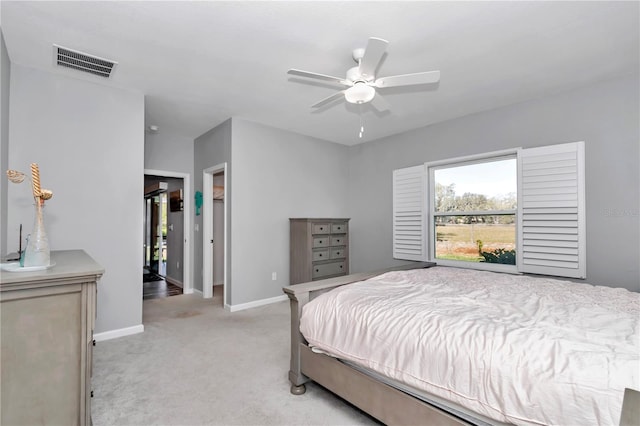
x,y
513,348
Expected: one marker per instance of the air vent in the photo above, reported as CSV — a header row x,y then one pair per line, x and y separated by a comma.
x,y
83,62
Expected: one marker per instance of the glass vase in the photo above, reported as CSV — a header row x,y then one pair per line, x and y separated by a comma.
x,y
37,252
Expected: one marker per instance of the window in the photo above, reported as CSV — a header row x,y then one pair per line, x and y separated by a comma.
x,y
519,210
474,211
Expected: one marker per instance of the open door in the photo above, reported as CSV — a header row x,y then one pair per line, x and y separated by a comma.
x,y
167,237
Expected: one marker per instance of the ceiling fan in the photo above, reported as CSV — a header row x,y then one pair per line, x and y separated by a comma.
x,y
361,81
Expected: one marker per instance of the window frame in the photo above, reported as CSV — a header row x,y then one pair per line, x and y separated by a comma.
x,y
431,167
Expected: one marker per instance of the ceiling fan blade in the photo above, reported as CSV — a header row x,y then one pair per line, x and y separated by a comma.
x,y
328,99
372,56
317,76
408,79
379,103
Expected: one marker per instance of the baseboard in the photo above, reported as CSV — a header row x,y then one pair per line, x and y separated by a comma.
x,y
196,291
174,282
255,304
121,332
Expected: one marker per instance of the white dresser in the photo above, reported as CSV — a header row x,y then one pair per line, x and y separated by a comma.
x,y
319,248
47,320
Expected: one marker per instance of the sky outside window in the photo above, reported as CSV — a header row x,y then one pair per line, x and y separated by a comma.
x,y
492,179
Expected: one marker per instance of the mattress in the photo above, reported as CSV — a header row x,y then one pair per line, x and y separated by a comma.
x,y
516,349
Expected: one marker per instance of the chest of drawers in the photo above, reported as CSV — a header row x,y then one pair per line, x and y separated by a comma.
x,y
319,248
47,320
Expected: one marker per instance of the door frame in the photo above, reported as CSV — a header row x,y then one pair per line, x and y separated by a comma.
x,y
207,231
187,264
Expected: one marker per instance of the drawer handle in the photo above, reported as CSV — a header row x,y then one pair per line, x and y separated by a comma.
x,y
340,266
320,255
321,228
317,270
320,242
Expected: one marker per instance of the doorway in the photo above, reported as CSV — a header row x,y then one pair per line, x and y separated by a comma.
x,y
215,203
167,225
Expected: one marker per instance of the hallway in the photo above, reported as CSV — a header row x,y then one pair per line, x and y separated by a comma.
x,y
155,287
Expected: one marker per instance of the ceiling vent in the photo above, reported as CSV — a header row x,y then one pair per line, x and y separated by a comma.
x,y
83,62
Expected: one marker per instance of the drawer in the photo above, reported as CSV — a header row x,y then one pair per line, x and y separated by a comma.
x,y
338,240
320,255
320,228
320,242
337,253
327,269
339,228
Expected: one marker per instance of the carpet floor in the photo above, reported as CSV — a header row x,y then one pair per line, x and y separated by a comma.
x,y
197,364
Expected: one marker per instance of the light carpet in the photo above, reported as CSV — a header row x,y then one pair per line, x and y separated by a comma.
x,y
197,364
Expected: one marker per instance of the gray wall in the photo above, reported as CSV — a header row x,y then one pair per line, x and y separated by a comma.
x,y
5,73
175,245
89,141
210,149
168,152
277,175
605,116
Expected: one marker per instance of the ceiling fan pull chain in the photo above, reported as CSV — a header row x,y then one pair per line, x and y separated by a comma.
x,y
361,123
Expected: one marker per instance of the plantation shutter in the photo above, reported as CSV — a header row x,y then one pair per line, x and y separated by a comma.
x,y
551,206
409,214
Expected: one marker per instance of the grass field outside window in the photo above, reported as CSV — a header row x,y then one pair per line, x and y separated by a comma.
x,y
460,241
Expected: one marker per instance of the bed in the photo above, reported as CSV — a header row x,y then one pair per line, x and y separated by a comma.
x,y
438,345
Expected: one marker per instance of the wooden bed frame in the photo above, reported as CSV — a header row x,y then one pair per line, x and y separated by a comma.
x,y
384,402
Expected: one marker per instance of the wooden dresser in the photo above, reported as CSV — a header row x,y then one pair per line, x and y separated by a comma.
x,y
47,320
319,248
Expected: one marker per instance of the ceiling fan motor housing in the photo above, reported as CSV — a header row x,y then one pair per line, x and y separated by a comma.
x,y
354,76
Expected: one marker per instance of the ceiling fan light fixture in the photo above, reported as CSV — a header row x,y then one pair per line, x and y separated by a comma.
x,y
359,93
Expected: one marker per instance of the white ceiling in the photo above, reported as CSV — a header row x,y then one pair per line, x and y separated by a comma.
x,y
199,63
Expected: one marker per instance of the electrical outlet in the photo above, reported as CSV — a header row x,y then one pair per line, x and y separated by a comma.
x,y
274,276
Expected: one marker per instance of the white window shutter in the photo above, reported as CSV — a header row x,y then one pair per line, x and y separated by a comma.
x,y
409,214
551,210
